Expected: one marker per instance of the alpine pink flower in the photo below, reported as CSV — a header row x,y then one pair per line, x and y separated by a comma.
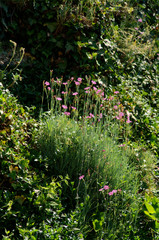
x,y
81,177
93,82
67,113
77,83
59,99
79,79
64,106
139,20
75,93
106,187
47,83
86,88
73,107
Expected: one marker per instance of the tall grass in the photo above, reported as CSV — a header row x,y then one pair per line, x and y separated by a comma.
x,y
84,136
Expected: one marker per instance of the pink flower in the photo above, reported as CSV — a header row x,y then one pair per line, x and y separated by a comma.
x,y
139,20
81,177
100,190
79,79
114,191
94,88
87,88
101,115
64,92
49,88
106,187
128,118
73,107
75,93
103,150
77,83
91,115
47,83
64,83
115,107
93,82
67,113
102,94
98,91
121,114
116,92
119,190
64,106
122,145
88,117
110,193
59,99
87,91
72,78
136,28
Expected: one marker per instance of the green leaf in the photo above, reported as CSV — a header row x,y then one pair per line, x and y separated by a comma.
x,y
149,208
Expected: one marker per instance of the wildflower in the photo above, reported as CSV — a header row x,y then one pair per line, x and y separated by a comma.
x,y
98,91
114,191
58,82
64,106
64,92
103,150
122,145
72,78
121,114
136,28
79,79
106,187
100,115
81,177
88,117
87,91
86,88
115,107
77,83
73,107
94,88
110,193
139,20
47,83
119,190
100,190
67,113
64,83
75,93
116,92
91,115
93,82
128,117
49,88
59,99
101,105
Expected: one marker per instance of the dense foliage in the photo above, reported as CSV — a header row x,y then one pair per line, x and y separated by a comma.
x,y
66,175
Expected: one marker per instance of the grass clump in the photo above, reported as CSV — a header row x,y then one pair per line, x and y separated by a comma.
x,y
90,144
